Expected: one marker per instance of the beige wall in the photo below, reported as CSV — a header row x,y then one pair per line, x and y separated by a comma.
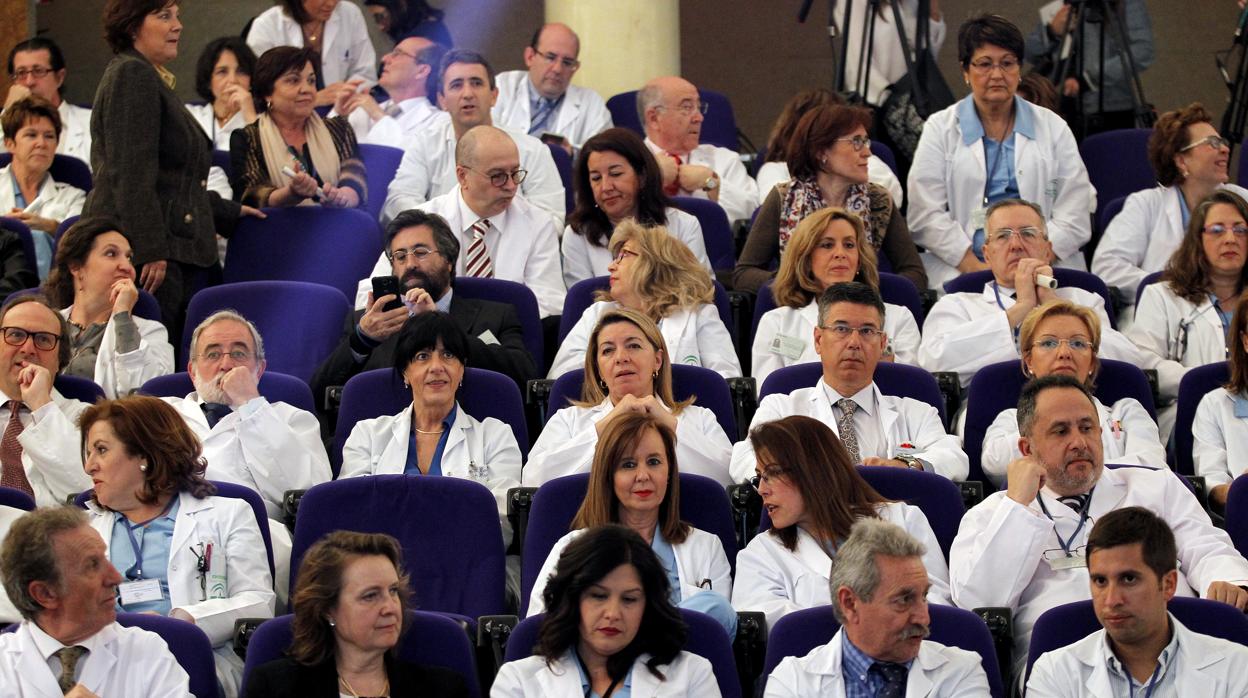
x,y
754,51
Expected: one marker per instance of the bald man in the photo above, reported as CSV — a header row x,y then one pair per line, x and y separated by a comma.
x,y
541,100
672,113
466,92
501,235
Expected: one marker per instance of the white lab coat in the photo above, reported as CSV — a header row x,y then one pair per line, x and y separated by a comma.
x,y
379,447
1204,666
1174,335
239,584
582,114
738,192
52,450
878,172
122,374
526,251
946,185
1141,238
566,444
346,51
8,612
122,662
55,200
582,260
696,337
427,170
777,581
700,558
1219,439
966,331
1135,442
901,420
75,140
938,670
687,675
997,558
799,323
417,115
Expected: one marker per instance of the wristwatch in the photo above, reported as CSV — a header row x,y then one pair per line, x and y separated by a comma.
x,y
711,183
910,461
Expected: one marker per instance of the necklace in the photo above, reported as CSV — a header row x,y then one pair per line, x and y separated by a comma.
x,y
385,689
428,433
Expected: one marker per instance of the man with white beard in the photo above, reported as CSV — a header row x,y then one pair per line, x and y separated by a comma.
x,y
270,447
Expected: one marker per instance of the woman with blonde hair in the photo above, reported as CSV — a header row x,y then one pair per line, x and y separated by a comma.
x,y
656,275
1061,337
626,370
828,247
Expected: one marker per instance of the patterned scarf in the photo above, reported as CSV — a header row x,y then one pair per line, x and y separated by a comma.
x,y
803,198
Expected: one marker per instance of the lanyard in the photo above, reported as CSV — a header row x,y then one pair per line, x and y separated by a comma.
x,y
997,292
589,679
1152,683
1083,518
1184,214
136,570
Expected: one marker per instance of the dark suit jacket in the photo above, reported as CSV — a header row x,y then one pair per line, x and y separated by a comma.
x,y
150,160
284,678
509,357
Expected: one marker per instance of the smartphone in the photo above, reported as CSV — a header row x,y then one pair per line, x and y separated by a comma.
x,y
386,286
552,139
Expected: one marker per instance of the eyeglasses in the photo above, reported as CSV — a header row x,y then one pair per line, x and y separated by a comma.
x,y
770,475
397,52
419,252
689,109
844,332
1027,235
499,179
238,355
857,141
16,336
985,66
623,254
1215,142
569,63
1076,344
38,71
1218,230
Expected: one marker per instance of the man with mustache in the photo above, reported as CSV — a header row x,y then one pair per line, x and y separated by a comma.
x,y
879,596
966,331
877,429
422,250
1024,548
1142,649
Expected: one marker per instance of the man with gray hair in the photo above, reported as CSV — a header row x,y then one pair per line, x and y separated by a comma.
x,y
56,572
879,596
966,331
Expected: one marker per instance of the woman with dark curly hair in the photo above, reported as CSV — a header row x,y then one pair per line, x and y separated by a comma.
x,y
1190,160
350,602
610,627
183,552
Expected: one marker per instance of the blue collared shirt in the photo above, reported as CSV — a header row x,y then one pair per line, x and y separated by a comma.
x,y
435,465
1000,182
623,690
856,668
544,113
667,555
154,539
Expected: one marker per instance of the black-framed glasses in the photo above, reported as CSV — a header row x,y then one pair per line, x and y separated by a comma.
x,y
39,72
419,252
499,179
17,336
856,141
551,57
1215,141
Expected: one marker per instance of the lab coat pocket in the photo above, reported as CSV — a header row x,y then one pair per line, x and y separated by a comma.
x,y
811,590
217,585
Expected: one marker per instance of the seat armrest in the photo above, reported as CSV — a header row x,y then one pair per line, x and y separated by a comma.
x,y
536,398
1000,622
741,304
290,507
243,630
332,399
749,648
747,509
929,298
951,389
519,505
1154,384
744,403
493,632
972,492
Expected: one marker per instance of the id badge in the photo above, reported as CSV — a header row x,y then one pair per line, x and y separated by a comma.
x,y
788,347
978,218
140,591
1073,562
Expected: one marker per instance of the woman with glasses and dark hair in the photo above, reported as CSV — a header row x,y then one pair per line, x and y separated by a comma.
x,y
813,494
332,29
616,179
610,628
1220,428
1061,337
93,283
828,158
635,482
184,552
1190,160
290,156
350,603
1184,320
989,146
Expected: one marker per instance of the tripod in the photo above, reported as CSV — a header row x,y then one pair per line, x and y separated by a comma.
x,y
1237,81
1103,14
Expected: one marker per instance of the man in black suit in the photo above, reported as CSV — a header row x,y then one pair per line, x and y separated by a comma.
x,y
422,251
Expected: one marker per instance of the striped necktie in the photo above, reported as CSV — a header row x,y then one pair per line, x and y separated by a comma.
x,y
12,472
477,262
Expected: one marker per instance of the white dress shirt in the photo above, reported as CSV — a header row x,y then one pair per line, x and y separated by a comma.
x,y
428,171
738,192
522,243
51,448
581,260
582,114
346,50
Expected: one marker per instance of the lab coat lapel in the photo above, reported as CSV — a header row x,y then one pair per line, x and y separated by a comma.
x,y
821,410
184,523
888,417
103,660
457,439
394,455
675,328
810,314
811,554
568,112
1109,493
32,667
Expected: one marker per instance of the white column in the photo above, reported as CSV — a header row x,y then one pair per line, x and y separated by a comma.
x,y
624,43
